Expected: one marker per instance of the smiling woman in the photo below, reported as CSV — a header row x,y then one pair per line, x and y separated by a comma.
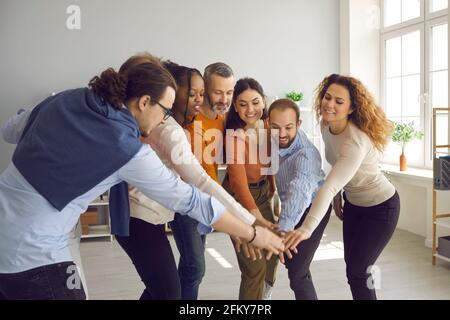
x,y
245,179
355,131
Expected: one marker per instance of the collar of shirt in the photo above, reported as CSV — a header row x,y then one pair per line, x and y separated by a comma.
x,y
296,145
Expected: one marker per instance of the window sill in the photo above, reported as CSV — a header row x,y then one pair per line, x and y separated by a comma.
x,y
419,174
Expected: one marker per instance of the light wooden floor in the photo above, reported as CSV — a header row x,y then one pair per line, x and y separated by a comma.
x,y
405,265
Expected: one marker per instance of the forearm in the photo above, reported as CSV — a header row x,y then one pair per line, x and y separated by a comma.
x,y
272,183
239,185
318,209
213,188
228,223
296,196
342,172
146,172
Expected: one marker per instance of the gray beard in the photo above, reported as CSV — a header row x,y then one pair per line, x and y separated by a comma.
x,y
220,112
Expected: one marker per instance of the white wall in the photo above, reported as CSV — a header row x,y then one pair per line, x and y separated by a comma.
x,y
286,45
360,42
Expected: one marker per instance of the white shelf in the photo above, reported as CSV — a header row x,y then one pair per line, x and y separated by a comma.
x,y
442,257
100,230
442,223
97,231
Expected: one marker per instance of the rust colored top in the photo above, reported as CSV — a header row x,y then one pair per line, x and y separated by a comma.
x,y
207,142
246,156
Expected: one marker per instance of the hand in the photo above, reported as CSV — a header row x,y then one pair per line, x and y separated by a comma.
x,y
237,242
292,239
260,221
248,250
266,224
287,251
266,239
337,207
251,251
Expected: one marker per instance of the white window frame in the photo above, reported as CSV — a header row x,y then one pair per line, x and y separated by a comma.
x,y
404,24
424,24
395,34
438,20
431,15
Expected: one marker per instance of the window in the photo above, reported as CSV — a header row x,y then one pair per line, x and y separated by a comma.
x,y
400,11
438,5
415,71
438,74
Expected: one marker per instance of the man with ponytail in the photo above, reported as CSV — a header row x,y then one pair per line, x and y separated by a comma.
x,y
72,148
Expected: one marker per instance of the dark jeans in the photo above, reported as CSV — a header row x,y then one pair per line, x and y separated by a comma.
x,y
150,251
59,281
298,267
191,245
367,230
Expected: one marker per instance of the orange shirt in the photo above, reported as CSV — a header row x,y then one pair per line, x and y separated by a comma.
x,y
244,168
207,142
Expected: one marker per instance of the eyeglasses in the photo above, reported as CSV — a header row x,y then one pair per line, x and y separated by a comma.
x,y
167,112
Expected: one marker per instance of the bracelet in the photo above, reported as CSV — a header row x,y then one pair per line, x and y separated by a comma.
x,y
254,234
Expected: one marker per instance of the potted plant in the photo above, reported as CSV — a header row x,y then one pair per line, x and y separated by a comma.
x,y
404,133
295,96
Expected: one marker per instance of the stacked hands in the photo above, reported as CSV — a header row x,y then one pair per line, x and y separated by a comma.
x,y
269,237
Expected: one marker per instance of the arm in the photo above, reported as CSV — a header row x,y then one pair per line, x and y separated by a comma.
x,y
171,144
12,129
351,157
239,184
303,181
259,237
147,173
273,185
236,171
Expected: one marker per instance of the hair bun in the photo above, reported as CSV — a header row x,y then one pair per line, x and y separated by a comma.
x,y
110,87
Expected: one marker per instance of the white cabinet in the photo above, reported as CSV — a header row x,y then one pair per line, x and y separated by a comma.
x,y
102,226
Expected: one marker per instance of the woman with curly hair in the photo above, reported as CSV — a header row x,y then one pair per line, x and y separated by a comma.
x,y
355,131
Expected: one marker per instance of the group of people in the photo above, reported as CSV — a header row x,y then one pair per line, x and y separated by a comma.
x,y
154,132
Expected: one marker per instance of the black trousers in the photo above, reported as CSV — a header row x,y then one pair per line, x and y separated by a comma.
x,y
59,281
150,251
367,230
300,278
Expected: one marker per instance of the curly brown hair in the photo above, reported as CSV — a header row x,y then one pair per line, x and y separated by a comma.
x,y
366,115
